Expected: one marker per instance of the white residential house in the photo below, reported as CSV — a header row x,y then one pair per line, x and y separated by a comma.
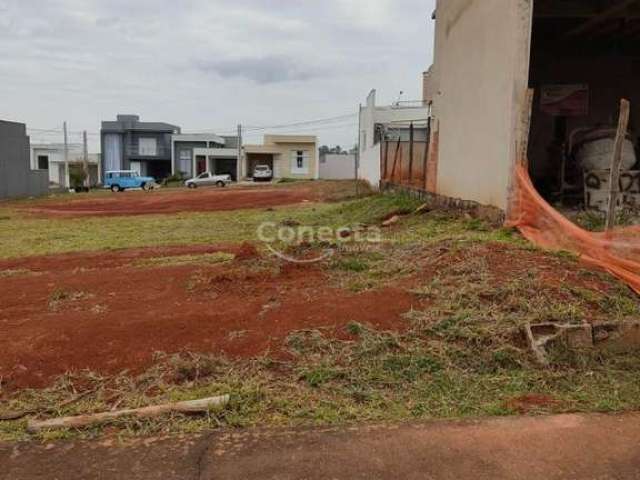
x,y
374,120
51,157
288,156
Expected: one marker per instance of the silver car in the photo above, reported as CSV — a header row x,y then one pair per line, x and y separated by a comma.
x,y
262,172
208,178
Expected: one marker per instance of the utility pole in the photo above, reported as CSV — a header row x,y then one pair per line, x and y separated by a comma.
x,y
87,180
360,146
66,156
411,138
240,159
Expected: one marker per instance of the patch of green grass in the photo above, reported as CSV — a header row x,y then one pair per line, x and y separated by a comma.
x,y
351,265
369,211
23,236
319,375
591,220
208,258
594,220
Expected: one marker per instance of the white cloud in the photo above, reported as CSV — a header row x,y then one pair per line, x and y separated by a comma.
x,y
207,63
367,13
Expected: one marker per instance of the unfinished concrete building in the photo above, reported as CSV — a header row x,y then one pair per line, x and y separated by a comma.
x,y
579,57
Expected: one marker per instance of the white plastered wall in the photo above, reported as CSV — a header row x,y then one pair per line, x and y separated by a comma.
x,y
370,116
481,68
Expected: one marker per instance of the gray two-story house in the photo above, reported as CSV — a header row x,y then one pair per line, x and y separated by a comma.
x,y
129,144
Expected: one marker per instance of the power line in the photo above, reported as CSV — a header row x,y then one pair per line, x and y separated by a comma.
x,y
43,130
317,129
319,124
303,123
294,125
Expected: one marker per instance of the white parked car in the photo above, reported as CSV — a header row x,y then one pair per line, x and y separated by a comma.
x,y
262,172
208,178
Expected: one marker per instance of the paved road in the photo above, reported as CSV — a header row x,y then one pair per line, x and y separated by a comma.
x,y
563,447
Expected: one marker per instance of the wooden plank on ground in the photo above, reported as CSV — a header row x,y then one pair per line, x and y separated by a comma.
x,y
81,421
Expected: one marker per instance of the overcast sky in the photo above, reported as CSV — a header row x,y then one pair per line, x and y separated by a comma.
x,y
208,64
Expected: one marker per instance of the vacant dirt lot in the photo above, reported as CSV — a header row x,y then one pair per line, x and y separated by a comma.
x,y
108,312
112,311
424,324
183,200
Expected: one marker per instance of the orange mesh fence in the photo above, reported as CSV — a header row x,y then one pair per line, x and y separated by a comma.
x,y
618,251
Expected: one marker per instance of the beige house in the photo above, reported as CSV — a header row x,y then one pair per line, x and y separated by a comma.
x,y
289,156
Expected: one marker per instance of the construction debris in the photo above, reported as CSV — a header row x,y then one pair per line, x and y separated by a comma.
x,y
618,336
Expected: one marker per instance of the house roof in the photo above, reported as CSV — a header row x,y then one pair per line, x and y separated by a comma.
x,y
126,123
199,137
276,139
267,149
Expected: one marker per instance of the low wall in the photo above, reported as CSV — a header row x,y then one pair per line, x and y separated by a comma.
x,y
493,215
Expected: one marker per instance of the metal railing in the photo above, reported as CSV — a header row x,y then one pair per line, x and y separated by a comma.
x,y
161,151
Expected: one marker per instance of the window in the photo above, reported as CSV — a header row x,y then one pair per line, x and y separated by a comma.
x,y
185,162
148,147
185,167
300,162
204,175
136,167
43,162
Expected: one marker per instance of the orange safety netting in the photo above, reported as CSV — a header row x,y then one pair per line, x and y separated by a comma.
x,y
617,252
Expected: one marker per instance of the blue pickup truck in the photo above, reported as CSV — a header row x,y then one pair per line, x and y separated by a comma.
x,y
119,181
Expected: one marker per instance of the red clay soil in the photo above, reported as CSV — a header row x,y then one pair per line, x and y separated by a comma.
x,y
173,201
530,403
98,312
